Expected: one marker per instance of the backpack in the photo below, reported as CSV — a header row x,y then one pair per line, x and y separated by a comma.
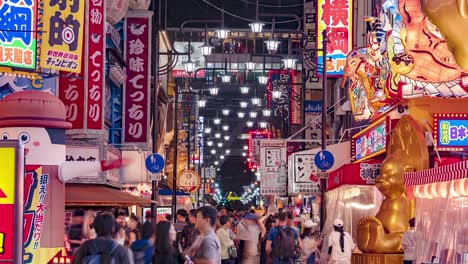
x,y
98,257
284,247
139,255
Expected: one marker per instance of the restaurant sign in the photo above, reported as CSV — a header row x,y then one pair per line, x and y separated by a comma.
x,y
372,141
451,132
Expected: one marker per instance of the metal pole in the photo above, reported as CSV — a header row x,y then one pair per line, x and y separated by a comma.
x,y
176,141
155,73
323,182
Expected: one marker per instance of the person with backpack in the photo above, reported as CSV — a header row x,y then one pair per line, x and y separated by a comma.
x,y
143,248
283,242
102,249
340,244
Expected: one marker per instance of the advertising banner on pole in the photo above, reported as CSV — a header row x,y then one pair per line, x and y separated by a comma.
x,y
95,83
62,40
137,87
273,167
18,37
303,174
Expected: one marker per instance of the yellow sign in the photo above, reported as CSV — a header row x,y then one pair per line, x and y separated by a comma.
x,y
7,175
230,197
62,41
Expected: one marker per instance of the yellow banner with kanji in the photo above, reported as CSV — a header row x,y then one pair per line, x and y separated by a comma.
x,y
62,40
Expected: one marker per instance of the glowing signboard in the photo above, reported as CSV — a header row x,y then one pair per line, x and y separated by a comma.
x,y
18,39
451,132
336,18
371,141
253,159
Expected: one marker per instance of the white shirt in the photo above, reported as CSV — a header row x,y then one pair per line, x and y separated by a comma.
x,y
225,240
337,255
408,244
250,233
309,246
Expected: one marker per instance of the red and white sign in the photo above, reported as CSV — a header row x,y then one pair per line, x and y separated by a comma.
x,y
189,181
72,94
136,91
254,147
363,173
95,40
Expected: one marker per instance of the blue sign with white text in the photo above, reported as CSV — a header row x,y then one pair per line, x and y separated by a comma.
x,y
313,106
452,133
154,163
324,160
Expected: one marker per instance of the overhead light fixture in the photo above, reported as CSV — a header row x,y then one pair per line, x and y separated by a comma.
x,y
272,45
256,27
213,151
289,63
263,124
216,163
228,151
250,65
218,135
243,104
225,128
244,89
226,78
207,130
266,112
246,147
250,123
217,121
220,144
240,114
244,154
225,112
189,66
262,79
226,138
221,157
276,94
256,101
253,114
214,91
222,33
206,49
201,102
209,143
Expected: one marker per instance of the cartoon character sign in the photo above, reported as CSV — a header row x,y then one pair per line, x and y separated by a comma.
x,y
38,120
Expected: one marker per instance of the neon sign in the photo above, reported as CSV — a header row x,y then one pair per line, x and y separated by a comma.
x,y
451,132
371,141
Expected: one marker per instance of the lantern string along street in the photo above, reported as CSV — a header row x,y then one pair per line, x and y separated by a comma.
x,y
349,116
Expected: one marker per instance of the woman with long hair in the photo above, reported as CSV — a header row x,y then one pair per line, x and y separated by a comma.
x,y
310,243
164,251
269,221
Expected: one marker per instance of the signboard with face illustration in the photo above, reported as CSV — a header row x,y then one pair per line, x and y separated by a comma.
x,y
136,91
303,174
273,167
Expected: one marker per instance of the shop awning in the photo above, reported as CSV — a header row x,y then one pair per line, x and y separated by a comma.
x,y
100,195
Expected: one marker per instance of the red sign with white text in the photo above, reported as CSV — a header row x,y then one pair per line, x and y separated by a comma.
x,y
72,94
95,44
136,91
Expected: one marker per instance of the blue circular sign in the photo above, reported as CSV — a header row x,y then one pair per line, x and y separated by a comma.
x,y
324,160
154,163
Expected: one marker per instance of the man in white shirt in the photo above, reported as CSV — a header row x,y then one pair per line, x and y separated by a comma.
x,y
249,232
340,244
408,243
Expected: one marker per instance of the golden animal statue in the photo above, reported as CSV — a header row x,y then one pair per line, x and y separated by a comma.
x,y
451,18
406,152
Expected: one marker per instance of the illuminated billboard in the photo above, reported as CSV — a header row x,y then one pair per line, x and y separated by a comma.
x,y
451,132
371,141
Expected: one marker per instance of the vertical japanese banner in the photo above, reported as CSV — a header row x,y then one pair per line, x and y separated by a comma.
x,y
273,167
18,37
336,18
94,54
136,91
254,147
310,59
72,93
282,80
313,111
62,40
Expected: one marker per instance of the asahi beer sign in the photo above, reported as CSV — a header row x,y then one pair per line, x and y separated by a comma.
x,y
136,91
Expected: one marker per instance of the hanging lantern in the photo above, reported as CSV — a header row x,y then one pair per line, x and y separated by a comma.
x,y
225,128
207,130
218,135
262,79
276,94
240,114
250,65
225,112
266,112
209,143
217,121
228,151
256,101
189,66
213,151
226,78
272,45
221,157
201,103
206,50
289,63
243,104
226,138
220,144
214,91
256,27
263,124
244,89
253,114
250,123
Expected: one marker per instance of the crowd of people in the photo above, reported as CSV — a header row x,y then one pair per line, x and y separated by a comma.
x,y
204,235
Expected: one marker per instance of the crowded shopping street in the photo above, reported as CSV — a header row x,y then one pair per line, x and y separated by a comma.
x,y
233,131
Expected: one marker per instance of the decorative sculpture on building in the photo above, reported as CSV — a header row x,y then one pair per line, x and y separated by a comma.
x,y
406,152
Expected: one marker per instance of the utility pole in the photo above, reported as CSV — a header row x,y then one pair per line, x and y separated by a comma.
x,y
323,182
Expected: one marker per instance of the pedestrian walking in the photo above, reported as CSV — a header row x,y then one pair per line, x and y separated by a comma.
x,y
164,251
340,244
283,242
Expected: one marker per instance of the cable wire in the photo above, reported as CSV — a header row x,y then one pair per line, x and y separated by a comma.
x,y
274,6
247,19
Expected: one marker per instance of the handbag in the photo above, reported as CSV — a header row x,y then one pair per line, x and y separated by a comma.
x,y
232,252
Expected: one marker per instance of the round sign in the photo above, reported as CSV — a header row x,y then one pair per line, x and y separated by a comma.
x,y
324,160
188,181
154,163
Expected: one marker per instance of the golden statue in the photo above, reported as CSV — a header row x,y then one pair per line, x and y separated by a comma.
x,y
451,18
406,152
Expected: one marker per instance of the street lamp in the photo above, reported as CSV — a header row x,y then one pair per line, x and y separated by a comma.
x,y
201,102
263,124
228,151
225,112
253,114
213,151
207,130
226,138
243,104
189,66
256,27
246,147
217,121
250,123
209,143
216,163
289,63
240,114
206,49
250,65
225,128
276,94
266,112
218,135
221,157
244,89
220,144
256,101
226,78
262,79
272,45
214,91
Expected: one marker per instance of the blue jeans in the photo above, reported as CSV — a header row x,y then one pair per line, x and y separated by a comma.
x,y
311,259
282,261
